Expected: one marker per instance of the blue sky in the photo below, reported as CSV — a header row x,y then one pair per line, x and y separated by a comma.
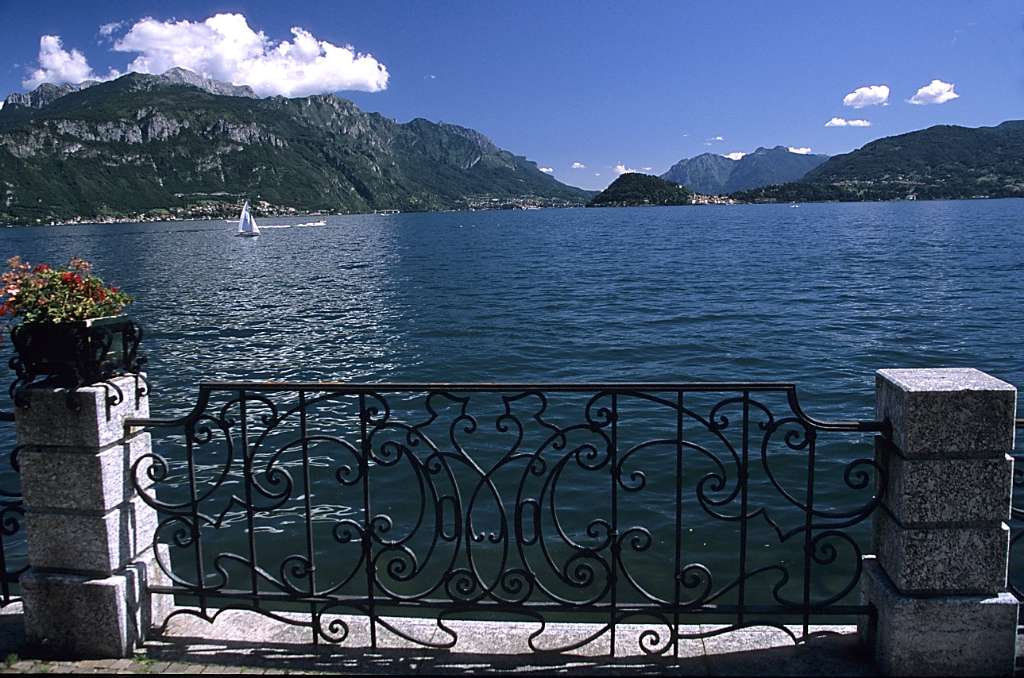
x,y
637,85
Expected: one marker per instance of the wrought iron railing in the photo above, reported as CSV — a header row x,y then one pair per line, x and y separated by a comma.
x,y
1016,568
664,504
13,554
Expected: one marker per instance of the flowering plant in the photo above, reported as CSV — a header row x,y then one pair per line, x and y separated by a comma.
x,y
42,294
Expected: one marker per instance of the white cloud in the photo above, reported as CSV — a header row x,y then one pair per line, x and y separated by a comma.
x,y
935,92
106,30
578,165
622,169
869,95
800,150
547,170
718,138
647,169
843,122
735,155
597,174
224,47
58,65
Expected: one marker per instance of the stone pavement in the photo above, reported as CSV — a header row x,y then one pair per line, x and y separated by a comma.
x,y
244,642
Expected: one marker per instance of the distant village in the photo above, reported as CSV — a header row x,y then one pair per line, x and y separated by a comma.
x,y
699,199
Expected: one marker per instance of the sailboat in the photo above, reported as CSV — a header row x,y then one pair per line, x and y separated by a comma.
x,y
246,224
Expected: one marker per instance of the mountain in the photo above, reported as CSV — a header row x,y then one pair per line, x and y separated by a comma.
x,y
179,144
633,188
45,94
183,76
707,173
945,161
715,174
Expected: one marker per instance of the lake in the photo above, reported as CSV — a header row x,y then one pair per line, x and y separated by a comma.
x,y
821,295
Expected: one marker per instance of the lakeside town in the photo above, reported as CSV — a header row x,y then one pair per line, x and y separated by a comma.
x,y
229,210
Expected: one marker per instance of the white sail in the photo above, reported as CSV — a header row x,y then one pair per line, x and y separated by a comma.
x,y
246,224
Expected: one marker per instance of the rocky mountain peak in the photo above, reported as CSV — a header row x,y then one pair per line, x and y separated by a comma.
x,y
183,76
46,93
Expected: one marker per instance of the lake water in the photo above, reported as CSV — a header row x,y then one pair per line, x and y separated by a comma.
x,y
820,295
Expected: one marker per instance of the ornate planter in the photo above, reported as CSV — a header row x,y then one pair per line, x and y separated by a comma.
x,y
77,353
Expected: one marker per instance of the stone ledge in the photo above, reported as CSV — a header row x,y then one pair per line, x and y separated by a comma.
x,y
938,492
938,635
954,560
952,413
82,479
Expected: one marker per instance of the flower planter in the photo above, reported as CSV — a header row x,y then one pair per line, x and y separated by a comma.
x,y
76,353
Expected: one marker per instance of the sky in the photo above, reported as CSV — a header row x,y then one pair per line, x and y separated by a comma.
x,y
587,90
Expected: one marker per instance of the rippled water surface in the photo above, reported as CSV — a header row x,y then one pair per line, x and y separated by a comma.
x,y
820,295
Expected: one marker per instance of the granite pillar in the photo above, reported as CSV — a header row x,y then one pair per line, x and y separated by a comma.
x,y
90,536
938,577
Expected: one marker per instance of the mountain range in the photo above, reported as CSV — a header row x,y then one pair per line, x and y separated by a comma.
x,y
181,144
940,162
714,174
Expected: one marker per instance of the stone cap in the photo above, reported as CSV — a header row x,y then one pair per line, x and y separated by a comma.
x,y
944,379
947,413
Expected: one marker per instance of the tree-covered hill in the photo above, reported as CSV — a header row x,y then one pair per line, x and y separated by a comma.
x,y
634,188
176,143
944,161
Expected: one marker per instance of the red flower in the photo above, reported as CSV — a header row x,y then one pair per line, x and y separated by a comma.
x,y
41,268
67,277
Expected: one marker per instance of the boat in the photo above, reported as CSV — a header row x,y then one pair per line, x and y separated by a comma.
x,y
246,224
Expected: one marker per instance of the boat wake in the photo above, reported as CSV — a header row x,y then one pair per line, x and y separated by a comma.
x,y
303,225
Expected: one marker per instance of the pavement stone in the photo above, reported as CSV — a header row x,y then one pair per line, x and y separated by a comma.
x,y
244,642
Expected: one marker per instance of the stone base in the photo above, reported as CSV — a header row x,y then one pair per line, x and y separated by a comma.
x,y
73,616
961,635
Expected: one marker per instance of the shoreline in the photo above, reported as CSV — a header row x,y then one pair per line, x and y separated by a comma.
x,y
146,219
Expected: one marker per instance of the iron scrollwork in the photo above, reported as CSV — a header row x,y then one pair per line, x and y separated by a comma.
x,y
72,355
651,503
13,555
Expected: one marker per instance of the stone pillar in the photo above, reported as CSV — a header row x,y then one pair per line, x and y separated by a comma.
x,y
90,537
938,579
